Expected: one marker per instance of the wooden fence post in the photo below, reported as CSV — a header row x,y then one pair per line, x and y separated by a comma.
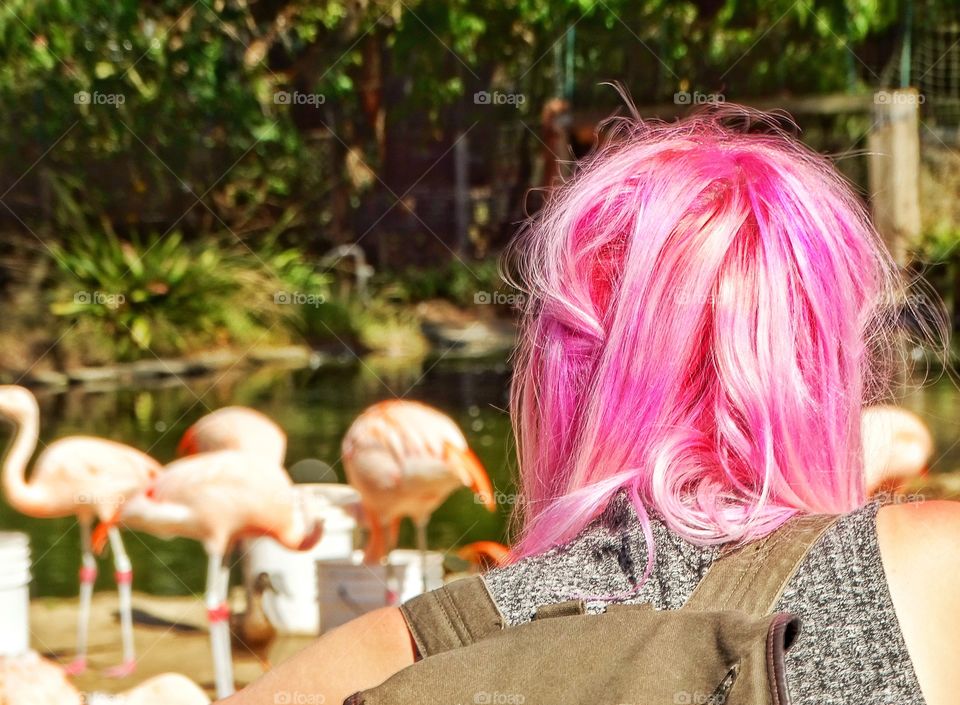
x,y
894,169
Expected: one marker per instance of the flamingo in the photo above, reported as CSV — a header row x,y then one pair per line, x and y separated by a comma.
x,y
897,446
86,477
405,458
218,498
164,689
29,679
235,428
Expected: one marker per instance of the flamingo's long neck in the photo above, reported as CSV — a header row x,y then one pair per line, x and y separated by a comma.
x,y
20,494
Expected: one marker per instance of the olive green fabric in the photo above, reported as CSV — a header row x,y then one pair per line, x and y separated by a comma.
x,y
722,648
453,616
751,578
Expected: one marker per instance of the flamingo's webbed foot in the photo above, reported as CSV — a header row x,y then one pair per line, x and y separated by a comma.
x,y
121,670
76,667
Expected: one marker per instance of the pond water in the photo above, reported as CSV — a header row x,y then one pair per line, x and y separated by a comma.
x,y
316,407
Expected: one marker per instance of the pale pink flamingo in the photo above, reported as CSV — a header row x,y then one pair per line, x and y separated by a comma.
x,y
164,689
405,458
235,428
29,679
897,447
218,498
86,477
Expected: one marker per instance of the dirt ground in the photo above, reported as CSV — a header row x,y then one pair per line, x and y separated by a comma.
x,y
180,644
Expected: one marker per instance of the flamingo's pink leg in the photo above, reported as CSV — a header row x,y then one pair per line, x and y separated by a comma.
x,y
393,534
421,524
124,576
218,617
88,575
377,541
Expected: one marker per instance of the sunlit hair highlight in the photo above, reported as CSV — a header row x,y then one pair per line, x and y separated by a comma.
x,y
705,306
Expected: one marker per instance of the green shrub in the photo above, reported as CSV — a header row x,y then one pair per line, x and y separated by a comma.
x,y
162,294
936,258
458,281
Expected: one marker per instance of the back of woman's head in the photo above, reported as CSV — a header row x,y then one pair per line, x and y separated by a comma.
x,y
700,328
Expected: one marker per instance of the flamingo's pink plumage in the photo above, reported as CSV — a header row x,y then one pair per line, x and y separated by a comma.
x,y
90,478
897,446
405,458
217,498
235,428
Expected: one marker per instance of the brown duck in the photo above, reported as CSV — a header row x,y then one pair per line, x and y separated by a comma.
x,y
251,632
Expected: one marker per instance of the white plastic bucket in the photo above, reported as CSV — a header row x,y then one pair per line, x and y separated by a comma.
x,y
14,594
348,589
410,573
293,610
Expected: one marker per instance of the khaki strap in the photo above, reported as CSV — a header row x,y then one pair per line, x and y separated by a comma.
x,y
455,615
561,609
752,578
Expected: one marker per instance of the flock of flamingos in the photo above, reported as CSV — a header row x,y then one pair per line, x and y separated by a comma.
x,y
403,457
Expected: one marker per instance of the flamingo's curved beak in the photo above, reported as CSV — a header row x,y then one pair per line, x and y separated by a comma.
x,y
313,537
472,473
188,444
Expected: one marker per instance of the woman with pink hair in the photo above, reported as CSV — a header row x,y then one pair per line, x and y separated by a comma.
x,y
708,310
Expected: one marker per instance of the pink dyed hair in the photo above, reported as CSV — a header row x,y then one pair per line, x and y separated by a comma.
x,y
705,307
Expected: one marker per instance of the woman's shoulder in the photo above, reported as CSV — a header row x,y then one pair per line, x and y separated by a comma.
x,y
918,519
607,559
920,549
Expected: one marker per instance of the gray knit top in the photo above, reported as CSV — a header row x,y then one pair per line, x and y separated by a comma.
x,y
850,648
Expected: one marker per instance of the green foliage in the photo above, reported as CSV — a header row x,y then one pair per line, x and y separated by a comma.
x,y
166,293
160,295
457,281
164,104
299,276
173,121
938,246
385,326
161,105
937,259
